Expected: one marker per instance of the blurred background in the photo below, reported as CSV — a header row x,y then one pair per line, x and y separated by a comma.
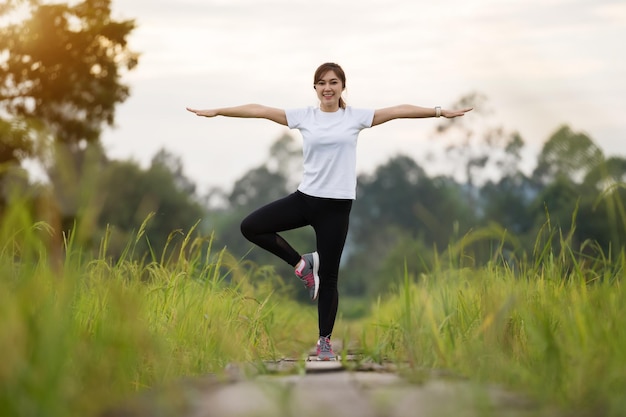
x,y
95,136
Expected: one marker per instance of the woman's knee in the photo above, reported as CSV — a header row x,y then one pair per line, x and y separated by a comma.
x,y
247,228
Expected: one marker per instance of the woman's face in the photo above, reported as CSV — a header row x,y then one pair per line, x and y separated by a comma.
x,y
329,89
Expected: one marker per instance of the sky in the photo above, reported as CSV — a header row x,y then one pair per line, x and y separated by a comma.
x,y
539,64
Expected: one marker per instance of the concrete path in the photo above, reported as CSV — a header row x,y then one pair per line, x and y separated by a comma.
x,y
310,388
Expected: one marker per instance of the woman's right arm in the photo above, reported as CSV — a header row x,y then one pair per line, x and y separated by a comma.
x,y
247,111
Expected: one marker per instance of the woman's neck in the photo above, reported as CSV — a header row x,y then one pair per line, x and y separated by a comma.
x,y
329,108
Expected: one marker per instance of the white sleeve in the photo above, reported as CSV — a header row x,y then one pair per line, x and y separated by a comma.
x,y
363,117
295,117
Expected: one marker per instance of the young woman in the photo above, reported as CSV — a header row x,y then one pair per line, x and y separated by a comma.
x,y
324,197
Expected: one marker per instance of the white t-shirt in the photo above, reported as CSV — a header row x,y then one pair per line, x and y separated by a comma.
x,y
329,149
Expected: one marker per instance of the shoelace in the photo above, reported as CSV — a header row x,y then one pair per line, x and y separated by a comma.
x,y
325,345
308,279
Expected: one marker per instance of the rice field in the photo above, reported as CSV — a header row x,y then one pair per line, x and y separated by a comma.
x,y
80,332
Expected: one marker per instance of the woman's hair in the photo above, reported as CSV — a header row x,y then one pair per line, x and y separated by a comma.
x,y
330,66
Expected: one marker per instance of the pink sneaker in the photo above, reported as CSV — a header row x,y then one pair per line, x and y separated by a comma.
x,y
308,273
325,350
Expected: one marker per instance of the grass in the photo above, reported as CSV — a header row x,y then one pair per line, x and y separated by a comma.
x,y
88,333
82,332
554,327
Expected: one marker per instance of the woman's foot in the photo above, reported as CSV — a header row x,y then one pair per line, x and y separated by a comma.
x,y
325,350
307,271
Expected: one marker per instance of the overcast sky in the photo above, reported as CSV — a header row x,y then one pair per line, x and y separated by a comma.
x,y
540,63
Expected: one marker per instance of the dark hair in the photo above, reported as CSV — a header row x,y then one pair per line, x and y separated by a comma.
x,y
331,66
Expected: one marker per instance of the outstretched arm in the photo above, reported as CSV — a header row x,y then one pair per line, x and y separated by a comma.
x,y
248,111
408,111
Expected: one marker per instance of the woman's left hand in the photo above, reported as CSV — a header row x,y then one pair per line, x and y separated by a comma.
x,y
455,113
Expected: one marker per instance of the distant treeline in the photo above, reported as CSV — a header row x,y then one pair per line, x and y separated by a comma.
x,y
59,90
402,221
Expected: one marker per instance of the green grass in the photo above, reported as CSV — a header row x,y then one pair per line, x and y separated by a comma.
x,y
553,328
82,332
85,333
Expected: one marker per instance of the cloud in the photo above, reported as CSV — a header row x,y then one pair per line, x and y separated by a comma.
x,y
540,62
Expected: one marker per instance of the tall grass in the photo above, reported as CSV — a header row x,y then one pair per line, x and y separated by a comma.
x,y
79,332
84,333
552,326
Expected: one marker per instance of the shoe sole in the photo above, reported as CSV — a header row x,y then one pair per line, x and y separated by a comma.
x,y
316,277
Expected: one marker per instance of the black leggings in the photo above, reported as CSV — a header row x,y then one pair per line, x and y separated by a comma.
x,y
329,218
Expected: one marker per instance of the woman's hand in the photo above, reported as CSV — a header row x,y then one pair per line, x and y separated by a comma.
x,y
247,111
203,113
455,113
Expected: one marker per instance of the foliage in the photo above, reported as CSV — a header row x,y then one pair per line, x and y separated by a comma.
x,y
256,188
508,201
401,208
544,317
567,154
399,202
127,194
60,80
90,332
61,66
400,193
551,326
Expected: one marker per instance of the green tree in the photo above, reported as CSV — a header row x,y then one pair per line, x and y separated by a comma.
x,y
174,165
73,175
286,159
569,154
60,76
257,187
576,179
397,204
128,194
62,66
607,173
506,202
400,193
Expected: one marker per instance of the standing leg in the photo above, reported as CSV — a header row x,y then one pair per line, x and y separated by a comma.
x,y
331,228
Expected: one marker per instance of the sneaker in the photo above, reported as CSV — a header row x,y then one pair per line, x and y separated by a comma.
x,y
308,273
325,350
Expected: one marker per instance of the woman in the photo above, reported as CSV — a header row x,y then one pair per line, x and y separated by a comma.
x,y
324,197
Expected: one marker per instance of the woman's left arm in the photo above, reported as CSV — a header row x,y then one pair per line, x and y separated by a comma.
x,y
408,111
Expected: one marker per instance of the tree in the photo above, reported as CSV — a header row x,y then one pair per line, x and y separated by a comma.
x,y
607,173
399,211
74,177
174,165
61,66
479,148
60,69
507,202
15,145
576,179
18,142
128,195
269,181
569,154
286,159
400,193
257,187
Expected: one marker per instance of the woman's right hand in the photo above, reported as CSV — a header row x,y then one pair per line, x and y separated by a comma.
x,y
203,113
